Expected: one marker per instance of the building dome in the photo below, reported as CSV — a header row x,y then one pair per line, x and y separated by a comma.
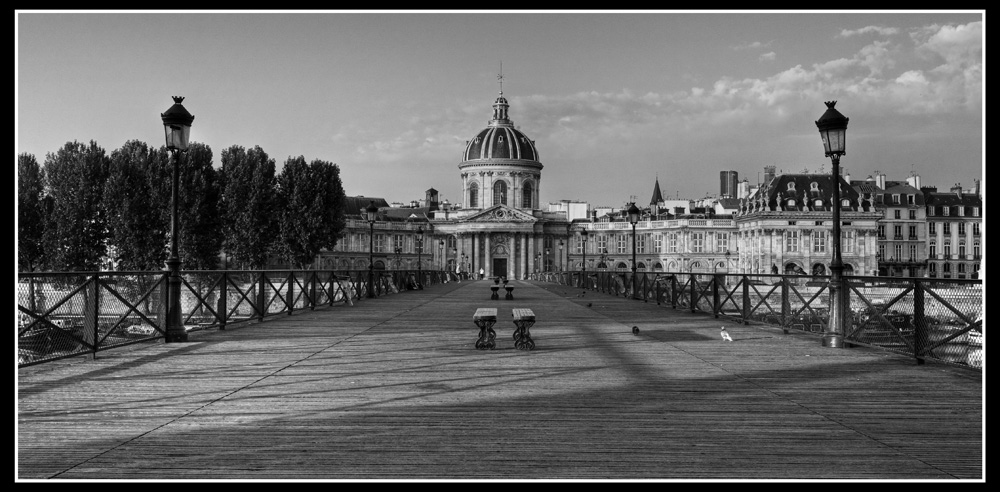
x,y
500,140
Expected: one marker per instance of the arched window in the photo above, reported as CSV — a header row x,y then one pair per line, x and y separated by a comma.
x,y
474,195
500,193
526,192
819,269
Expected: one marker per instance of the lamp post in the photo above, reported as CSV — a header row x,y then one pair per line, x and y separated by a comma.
x,y
443,255
538,259
559,267
420,249
548,259
633,218
583,275
833,130
454,252
177,130
370,214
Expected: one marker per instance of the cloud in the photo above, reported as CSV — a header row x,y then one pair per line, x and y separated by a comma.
x,y
882,31
769,56
880,79
751,45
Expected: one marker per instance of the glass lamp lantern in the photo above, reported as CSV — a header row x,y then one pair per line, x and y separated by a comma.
x,y
833,130
177,125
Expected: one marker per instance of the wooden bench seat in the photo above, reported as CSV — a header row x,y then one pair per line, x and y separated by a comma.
x,y
524,318
485,318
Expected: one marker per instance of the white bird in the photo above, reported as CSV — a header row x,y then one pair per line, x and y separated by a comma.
x,y
725,335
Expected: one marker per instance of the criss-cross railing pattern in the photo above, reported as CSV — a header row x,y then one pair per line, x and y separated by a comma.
x,y
65,314
925,318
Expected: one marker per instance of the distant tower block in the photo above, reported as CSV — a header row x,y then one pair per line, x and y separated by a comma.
x,y
728,182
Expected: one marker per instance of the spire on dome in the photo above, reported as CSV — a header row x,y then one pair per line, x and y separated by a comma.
x,y
500,106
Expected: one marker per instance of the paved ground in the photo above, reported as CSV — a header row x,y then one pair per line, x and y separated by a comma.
x,y
393,388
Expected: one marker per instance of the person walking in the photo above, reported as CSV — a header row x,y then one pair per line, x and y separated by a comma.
x,y
482,273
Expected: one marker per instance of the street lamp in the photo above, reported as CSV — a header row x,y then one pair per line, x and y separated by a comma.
x,y
833,130
633,218
371,212
443,255
560,265
548,259
420,249
458,268
583,275
177,130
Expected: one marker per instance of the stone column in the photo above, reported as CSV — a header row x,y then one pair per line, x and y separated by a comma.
x,y
531,252
487,264
522,258
511,257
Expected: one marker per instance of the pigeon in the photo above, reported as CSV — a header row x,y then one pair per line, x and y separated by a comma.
x,y
590,304
725,335
635,330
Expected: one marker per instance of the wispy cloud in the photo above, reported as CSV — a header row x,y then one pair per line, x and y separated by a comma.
x,y
753,45
880,30
767,57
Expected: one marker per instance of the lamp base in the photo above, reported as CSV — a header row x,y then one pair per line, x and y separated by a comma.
x,y
833,341
176,336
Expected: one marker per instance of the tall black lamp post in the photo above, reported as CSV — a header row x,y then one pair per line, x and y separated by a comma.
x,y
833,130
559,267
583,276
420,249
633,218
177,129
370,213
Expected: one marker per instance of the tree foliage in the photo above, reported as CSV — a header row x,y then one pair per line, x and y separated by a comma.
x,y
75,233
248,206
200,237
134,204
31,213
311,218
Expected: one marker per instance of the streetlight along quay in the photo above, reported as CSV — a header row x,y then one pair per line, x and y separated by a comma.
x,y
177,129
633,218
371,212
833,130
420,249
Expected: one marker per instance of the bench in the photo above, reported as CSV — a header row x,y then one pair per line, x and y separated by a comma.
x,y
523,319
485,318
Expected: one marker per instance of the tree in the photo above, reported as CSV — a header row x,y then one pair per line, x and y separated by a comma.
x,y
248,206
30,213
311,217
75,233
200,239
134,205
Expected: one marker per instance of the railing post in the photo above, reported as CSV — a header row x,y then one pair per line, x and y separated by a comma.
x,y
786,306
221,308
746,300
658,291
919,323
715,295
260,296
290,295
673,291
92,316
694,293
312,290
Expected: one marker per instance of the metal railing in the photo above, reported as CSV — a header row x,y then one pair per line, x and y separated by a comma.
x,y
67,314
919,317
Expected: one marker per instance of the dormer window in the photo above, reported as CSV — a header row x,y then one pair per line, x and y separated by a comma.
x,y
895,199
910,199
814,186
791,186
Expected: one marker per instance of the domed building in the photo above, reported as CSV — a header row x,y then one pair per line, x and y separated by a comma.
x,y
500,228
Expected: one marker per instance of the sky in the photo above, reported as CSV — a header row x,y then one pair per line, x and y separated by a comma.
x,y
613,99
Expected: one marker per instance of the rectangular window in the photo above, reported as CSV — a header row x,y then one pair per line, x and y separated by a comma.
x,y
913,215
847,239
896,214
945,210
913,232
897,231
697,242
622,243
379,243
721,242
975,228
881,231
673,243
640,244
947,228
933,250
897,250
895,199
913,252
657,243
931,229
791,241
909,199
602,243
961,228
819,241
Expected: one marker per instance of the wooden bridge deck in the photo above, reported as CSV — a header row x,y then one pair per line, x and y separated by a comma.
x,y
393,388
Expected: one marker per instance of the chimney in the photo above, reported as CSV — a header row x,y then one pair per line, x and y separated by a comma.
x,y
880,180
957,189
977,188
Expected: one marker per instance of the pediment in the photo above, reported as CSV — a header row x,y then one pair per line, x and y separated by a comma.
x,y
500,213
